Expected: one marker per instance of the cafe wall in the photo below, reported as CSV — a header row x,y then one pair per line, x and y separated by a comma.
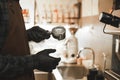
x,y
91,34
28,12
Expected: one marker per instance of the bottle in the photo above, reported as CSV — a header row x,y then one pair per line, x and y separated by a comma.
x,y
100,76
92,74
55,14
95,74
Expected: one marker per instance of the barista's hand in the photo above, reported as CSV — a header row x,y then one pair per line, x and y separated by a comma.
x,y
44,62
37,34
13,66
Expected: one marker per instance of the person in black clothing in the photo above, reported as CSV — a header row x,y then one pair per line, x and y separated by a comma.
x,y
16,63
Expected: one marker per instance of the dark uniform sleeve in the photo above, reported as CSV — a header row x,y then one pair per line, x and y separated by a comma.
x,y
12,66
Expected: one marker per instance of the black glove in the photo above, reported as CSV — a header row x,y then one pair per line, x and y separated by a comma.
x,y
44,62
12,66
37,34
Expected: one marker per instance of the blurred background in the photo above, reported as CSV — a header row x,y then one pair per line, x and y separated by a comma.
x,y
80,18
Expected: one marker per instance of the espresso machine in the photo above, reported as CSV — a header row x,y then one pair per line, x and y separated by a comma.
x,y
113,19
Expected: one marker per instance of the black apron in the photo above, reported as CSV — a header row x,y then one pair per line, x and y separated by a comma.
x,y
16,42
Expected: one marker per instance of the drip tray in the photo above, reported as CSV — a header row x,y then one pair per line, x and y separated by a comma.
x,y
111,75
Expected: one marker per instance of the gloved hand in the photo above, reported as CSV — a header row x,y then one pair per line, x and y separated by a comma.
x,y
37,34
12,66
44,62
